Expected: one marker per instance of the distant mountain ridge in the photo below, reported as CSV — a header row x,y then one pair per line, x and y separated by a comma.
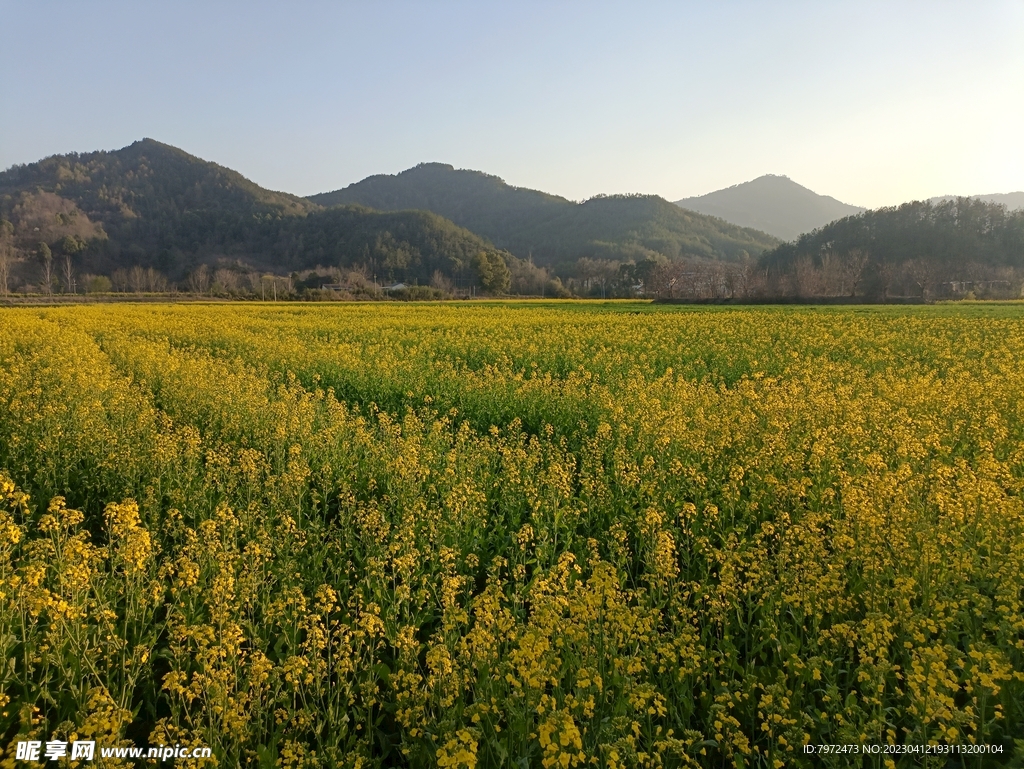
x,y
773,204
550,229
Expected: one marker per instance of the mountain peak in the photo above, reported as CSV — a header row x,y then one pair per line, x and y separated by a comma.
x,y
432,166
773,203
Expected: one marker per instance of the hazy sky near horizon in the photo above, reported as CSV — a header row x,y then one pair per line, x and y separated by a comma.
x,y
873,103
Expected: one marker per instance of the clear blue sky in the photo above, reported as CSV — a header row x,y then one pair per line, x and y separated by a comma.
x,y
873,103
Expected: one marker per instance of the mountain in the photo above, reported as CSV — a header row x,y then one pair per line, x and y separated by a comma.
x,y
549,229
475,200
153,205
1012,200
774,204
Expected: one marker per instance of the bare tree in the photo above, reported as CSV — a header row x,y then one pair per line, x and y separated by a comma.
x,y
254,280
718,287
888,272
46,257
119,279
272,284
809,279
6,254
5,269
441,282
226,280
363,272
69,246
925,274
137,279
358,277
199,280
68,271
833,274
853,269
661,278
751,281
155,281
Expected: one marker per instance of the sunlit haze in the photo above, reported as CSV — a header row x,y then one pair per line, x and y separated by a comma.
x,y
873,104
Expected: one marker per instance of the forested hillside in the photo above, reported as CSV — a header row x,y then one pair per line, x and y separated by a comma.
x,y
920,249
480,202
156,207
551,230
636,227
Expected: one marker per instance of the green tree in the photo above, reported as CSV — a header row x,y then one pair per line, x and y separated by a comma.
x,y
71,245
492,272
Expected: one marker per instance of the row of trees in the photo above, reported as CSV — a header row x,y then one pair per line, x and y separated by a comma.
x,y
55,271
831,279
918,278
680,280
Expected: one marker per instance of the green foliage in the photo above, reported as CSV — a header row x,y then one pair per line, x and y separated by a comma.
x,y
417,294
404,245
636,227
950,232
71,245
492,272
549,229
98,284
554,289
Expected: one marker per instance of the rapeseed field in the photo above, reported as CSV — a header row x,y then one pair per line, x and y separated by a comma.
x,y
523,535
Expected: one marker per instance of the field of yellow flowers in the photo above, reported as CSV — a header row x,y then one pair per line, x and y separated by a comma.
x,y
522,535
